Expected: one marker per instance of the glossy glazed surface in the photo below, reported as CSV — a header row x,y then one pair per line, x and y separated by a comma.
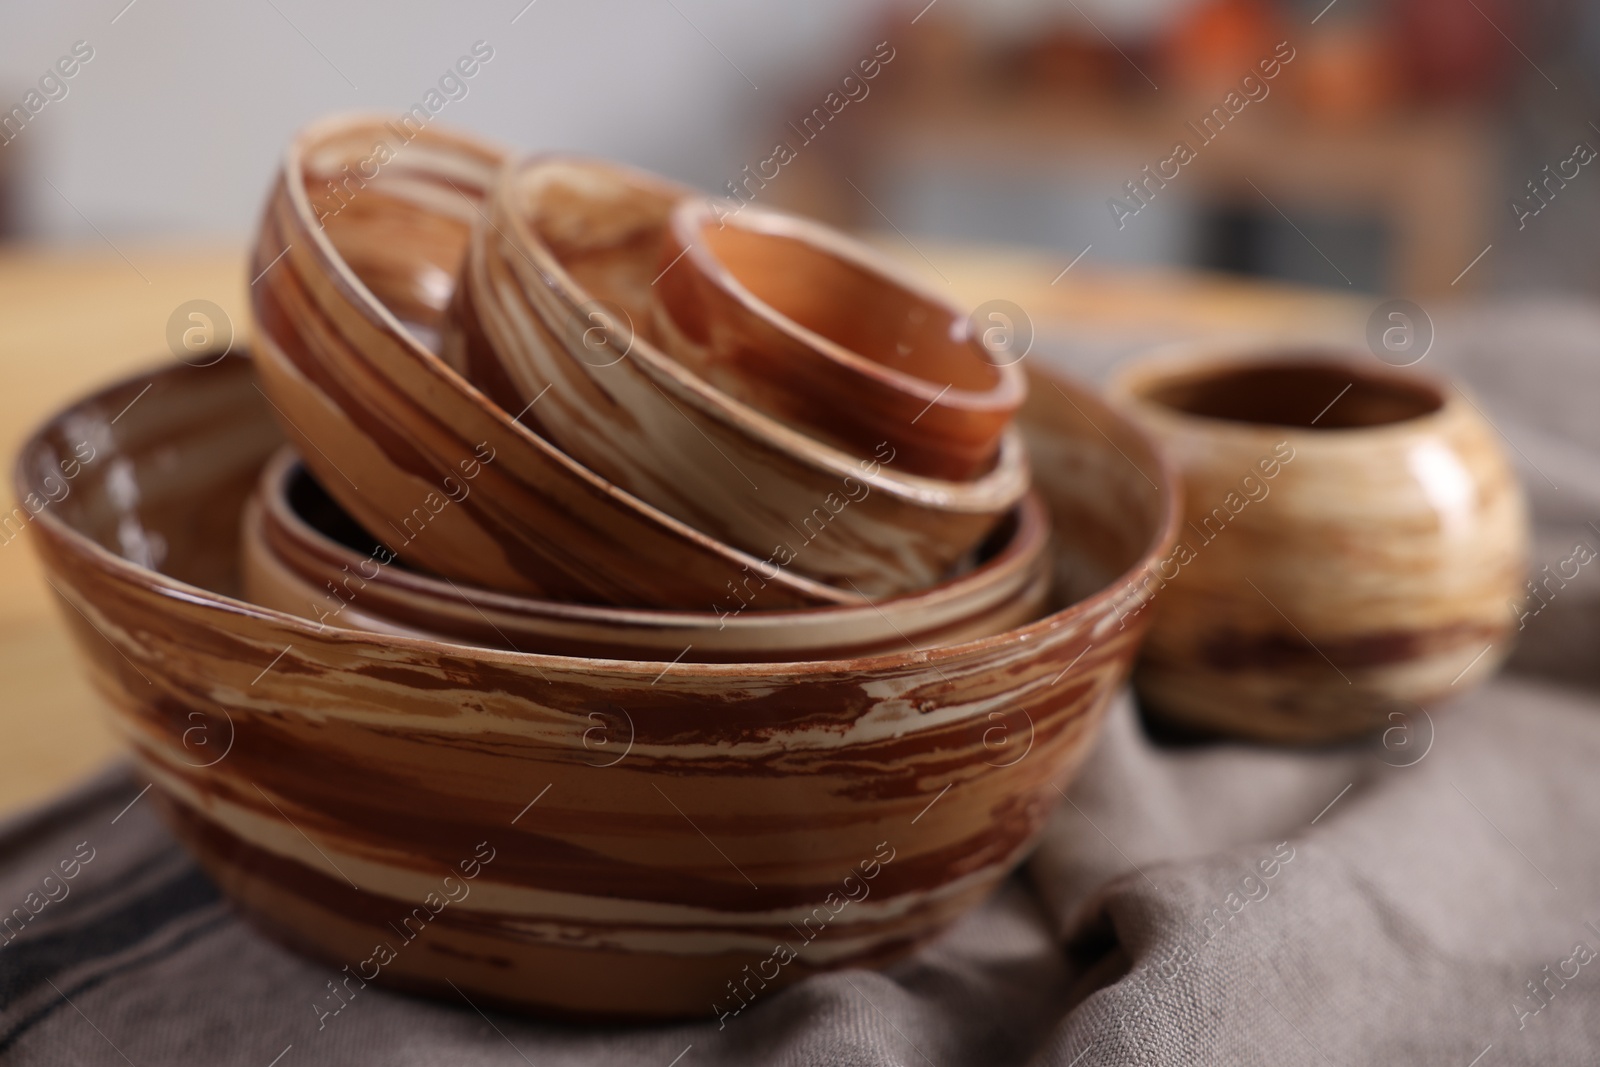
x,y
356,256
555,316
304,556
804,323
630,838
1354,538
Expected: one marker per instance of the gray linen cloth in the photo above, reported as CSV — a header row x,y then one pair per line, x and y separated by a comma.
x,y
1431,897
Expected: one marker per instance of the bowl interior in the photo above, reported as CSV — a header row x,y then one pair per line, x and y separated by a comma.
x,y
169,475
421,198
605,226
1322,394
858,309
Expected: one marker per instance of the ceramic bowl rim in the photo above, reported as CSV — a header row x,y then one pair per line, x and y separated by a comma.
x,y
124,571
1125,389
988,492
1032,516
360,296
691,217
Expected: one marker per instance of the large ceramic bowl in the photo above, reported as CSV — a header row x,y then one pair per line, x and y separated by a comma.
x,y
578,836
1355,539
303,555
554,310
354,262
823,332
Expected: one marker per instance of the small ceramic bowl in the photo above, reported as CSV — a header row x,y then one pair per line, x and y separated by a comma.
x,y
355,260
1354,537
303,555
576,836
810,326
553,315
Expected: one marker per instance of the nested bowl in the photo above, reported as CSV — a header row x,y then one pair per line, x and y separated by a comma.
x,y
356,258
1355,545
303,555
554,314
580,836
815,328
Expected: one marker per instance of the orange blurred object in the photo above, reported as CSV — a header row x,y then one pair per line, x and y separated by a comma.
x,y
1218,42
1349,74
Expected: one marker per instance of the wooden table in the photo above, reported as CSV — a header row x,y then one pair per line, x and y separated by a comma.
x,y
72,321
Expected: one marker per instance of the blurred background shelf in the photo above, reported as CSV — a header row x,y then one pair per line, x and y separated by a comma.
x,y
1373,156
1400,204
1383,157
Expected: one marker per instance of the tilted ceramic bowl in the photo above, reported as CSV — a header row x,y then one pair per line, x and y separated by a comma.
x,y
355,260
578,836
301,554
554,314
815,328
1354,540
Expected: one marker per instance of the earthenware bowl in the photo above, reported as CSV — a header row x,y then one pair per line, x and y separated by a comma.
x,y
554,316
354,263
575,836
813,327
302,554
1355,539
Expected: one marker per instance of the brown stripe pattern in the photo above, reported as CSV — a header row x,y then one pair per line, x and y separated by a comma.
x,y
556,309
355,268
292,562
1334,572
823,332
653,830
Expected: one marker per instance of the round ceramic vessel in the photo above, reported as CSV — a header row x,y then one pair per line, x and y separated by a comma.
x,y
577,836
355,260
554,315
821,331
1353,543
305,556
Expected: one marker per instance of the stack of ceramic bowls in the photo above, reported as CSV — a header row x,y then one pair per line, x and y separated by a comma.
x,y
301,550
637,579
606,471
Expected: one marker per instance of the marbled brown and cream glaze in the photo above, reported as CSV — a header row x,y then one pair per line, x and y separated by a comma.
x,y
1374,575
654,831
301,555
821,331
555,314
356,258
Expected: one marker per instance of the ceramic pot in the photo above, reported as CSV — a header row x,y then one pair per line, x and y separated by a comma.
x,y
1354,539
303,555
818,330
355,260
577,836
554,316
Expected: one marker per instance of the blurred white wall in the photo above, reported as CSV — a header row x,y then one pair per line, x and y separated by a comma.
x,y
174,127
